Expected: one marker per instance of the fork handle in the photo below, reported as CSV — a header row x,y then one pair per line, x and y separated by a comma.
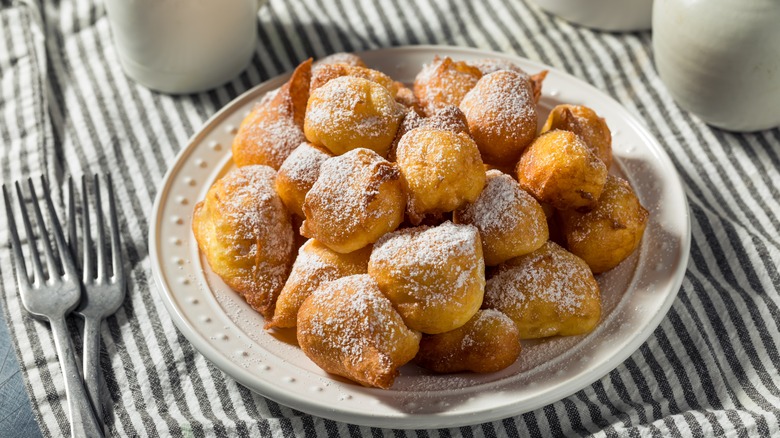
x,y
82,418
91,366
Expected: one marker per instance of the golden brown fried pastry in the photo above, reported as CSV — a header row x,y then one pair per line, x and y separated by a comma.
x,y
559,169
244,230
274,128
489,342
608,234
548,292
341,58
405,96
357,198
501,115
510,221
435,276
315,264
491,65
410,121
441,170
584,122
327,72
448,118
444,82
536,84
347,327
350,112
298,174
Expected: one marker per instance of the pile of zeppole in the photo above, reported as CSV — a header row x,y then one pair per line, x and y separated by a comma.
x,y
432,223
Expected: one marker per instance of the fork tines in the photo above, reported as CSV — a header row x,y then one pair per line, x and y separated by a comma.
x,y
58,263
99,267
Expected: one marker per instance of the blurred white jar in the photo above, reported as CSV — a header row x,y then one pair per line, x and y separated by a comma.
x,y
720,59
610,15
183,46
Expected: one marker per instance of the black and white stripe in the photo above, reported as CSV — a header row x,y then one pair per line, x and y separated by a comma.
x,y
66,108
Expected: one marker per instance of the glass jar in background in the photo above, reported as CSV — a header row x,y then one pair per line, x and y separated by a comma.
x,y
609,15
720,59
183,46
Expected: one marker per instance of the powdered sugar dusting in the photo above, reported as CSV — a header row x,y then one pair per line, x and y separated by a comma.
x,y
345,191
310,269
342,58
245,229
444,82
482,322
502,104
274,133
492,65
302,167
502,206
254,211
548,275
426,255
352,317
340,105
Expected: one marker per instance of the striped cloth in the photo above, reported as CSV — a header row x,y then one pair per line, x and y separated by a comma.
x,y
67,109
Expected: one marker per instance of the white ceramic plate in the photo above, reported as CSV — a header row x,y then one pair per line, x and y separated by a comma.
x,y
229,333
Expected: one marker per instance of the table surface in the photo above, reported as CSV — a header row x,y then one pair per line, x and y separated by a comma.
x,y
711,368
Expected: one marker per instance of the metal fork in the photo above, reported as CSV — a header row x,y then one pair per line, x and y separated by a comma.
x,y
103,293
50,298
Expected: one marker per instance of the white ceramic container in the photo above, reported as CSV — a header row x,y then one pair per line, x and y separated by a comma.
x,y
183,46
609,15
720,59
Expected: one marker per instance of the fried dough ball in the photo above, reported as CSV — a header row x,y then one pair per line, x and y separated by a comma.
x,y
341,58
298,174
608,234
435,276
491,65
444,82
315,264
448,118
274,128
501,114
547,292
327,72
510,221
584,122
350,112
442,170
244,230
347,327
559,169
410,121
357,198
489,342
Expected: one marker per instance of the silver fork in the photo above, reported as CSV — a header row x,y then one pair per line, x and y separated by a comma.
x,y
50,298
103,293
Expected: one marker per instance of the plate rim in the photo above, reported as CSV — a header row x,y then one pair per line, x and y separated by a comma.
x,y
410,420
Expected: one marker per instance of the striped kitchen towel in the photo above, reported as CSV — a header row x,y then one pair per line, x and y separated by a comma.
x,y
66,108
